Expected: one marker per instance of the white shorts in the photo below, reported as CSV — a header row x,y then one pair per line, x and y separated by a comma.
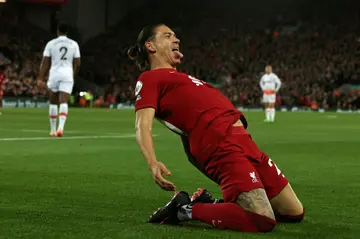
x,y
269,98
60,84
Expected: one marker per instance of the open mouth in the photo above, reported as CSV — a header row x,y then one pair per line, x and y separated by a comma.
x,y
177,52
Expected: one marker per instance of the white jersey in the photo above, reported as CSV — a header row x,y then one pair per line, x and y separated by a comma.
x,y
62,51
270,83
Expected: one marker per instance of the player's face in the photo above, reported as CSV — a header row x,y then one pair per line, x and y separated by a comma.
x,y
268,69
166,46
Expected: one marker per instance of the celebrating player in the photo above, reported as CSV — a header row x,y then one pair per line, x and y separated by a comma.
x,y
270,84
215,139
63,54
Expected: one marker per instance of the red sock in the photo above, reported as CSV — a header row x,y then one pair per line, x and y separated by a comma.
x,y
231,216
289,218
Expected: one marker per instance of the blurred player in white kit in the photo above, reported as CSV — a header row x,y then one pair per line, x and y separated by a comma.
x,y
62,57
270,85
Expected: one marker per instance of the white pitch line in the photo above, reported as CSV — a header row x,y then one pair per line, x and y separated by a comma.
x,y
46,131
69,137
41,131
36,130
72,137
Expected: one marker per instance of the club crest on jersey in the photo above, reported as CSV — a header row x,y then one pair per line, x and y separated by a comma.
x,y
253,177
138,87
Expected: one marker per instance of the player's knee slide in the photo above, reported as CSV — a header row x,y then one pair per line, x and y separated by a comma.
x,y
299,218
290,218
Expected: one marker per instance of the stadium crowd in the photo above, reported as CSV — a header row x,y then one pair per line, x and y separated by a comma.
x,y
23,43
317,59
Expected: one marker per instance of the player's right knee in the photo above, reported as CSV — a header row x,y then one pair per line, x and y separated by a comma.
x,y
287,203
291,214
256,201
299,210
299,217
293,218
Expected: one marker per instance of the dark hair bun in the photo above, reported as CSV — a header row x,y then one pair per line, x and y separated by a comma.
x,y
132,52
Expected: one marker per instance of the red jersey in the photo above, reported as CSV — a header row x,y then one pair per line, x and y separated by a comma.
x,y
187,106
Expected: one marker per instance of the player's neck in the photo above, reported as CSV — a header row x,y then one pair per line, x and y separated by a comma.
x,y
159,65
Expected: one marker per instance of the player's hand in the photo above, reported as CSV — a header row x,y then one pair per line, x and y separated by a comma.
x,y
158,169
40,82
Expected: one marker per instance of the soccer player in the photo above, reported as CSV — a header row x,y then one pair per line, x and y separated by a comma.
x,y
63,55
270,84
255,191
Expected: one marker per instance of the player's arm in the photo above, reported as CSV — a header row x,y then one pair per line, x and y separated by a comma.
x,y
262,84
278,83
143,125
44,67
76,64
45,63
77,61
147,91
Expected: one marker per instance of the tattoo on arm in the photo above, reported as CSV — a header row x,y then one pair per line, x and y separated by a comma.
x,y
256,201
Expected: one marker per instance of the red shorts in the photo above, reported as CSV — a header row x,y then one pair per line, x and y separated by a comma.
x,y
238,165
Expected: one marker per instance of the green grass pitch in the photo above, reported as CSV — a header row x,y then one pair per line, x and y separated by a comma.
x,y
93,183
